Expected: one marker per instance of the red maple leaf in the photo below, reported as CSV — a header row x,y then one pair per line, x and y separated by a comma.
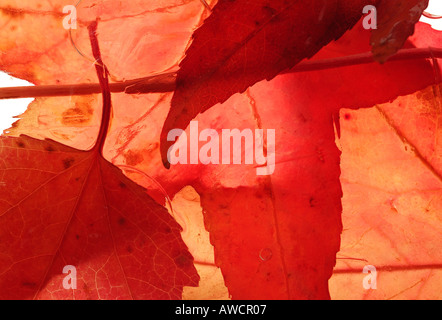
x,y
62,206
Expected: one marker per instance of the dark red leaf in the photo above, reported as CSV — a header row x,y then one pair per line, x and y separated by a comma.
x,y
244,42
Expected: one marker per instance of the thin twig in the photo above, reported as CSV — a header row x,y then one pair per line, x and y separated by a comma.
x,y
160,83
431,16
166,82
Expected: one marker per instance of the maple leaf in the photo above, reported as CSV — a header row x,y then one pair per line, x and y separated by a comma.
x,y
74,207
392,182
61,206
243,43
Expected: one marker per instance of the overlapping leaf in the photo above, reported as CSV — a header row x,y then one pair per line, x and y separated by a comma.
x,y
244,42
392,157
61,206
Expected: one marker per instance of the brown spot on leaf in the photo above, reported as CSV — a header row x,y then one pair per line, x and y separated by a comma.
x,y
183,260
167,230
133,157
313,202
20,144
68,162
223,206
121,221
13,13
29,284
81,113
269,11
